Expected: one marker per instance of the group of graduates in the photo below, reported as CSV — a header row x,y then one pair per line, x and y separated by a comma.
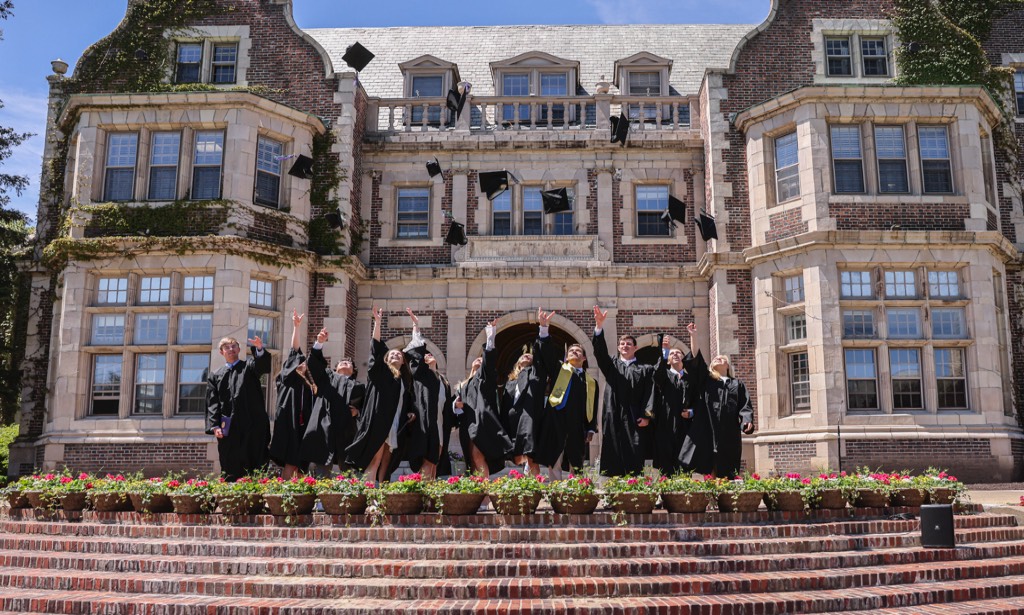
x,y
680,413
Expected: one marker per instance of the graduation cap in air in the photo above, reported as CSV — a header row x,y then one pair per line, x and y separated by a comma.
x,y
456,234
455,101
302,167
357,56
493,183
620,129
434,168
706,226
555,201
676,212
336,219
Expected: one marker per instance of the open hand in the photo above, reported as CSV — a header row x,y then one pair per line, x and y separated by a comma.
x,y
599,317
256,342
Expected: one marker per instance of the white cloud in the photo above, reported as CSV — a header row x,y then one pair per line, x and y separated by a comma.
x,y
24,112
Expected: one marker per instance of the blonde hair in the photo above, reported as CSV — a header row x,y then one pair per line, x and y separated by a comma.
x,y
714,373
517,369
227,340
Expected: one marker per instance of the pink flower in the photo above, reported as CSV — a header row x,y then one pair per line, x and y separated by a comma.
x,y
952,478
943,475
244,480
65,480
514,474
369,484
309,480
631,481
264,481
586,481
795,475
353,480
806,481
708,477
452,480
173,483
755,477
83,476
572,476
50,477
541,479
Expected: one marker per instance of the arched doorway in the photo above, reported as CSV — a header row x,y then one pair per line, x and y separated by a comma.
x,y
510,341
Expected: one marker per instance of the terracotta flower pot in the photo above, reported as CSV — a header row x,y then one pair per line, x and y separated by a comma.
x,y
460,503
633,503
908,497
17,500
685,502
238,503
831,499
343,504
110,502
785,500
742,501
939,496
156,503
36,499
188,504
73,501
870,498
516,504
288,505
402,503
565,504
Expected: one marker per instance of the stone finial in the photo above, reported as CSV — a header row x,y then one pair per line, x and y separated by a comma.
x,y
60,67
602,86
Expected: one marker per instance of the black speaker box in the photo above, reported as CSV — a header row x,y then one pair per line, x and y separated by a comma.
x,y
937,526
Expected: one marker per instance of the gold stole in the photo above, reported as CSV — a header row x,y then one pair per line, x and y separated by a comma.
x,y
562,385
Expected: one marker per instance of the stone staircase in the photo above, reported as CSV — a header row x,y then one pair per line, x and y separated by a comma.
x,y
817,562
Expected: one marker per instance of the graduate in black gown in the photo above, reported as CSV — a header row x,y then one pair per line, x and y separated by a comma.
x,y
475,408
628,403
235,410
332,426
522,402
568,420
421,443
674,415
296,395
387,408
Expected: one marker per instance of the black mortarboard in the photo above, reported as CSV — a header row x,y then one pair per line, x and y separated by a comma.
x,y
555,201
434,168
620,129
676,212
455,101
706,226
302,168
456,234
336,220
357,56
493,183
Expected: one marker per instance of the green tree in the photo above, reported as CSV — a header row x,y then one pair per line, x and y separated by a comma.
x,y
14,232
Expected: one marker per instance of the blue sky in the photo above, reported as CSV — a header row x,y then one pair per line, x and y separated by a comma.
x,y
43,30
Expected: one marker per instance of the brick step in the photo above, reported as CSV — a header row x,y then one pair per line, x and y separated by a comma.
x,y
126,562
515,588
867,598
1002,606
631,533
494,551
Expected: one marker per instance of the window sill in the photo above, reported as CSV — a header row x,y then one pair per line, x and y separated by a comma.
x,y
887,199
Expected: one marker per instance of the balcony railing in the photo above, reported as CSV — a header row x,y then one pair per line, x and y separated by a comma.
x,y
511,113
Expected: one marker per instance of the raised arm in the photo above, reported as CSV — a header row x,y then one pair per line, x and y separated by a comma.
x,y
488,371
318,364
259,359
545,359
296,321
604,360
661,367
377,347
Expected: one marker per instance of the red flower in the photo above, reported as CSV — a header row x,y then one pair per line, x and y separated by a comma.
x,y
65,480
806,481
309,480
83,476
88,485
173,483
369,484
952,478
50,477
755,477
541,479
571,476
264,481
631,481
514,474
452,480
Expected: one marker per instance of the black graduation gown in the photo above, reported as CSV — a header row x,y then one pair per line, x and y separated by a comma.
x,y
331,427
562,432
236,392
479,422
670,428
521,417
379,407
294,405
728,407
421,440
628,396
698,450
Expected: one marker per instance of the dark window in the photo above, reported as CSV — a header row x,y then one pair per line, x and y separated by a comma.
x,y
207,163
847,160
427,86
951,378
189,63
413,210
268,172
800,377
501,214
905,367
192,375
837,53
1018,86
106,384
891,150
119,183
861,379
533,212
936,167
651,202
874,57
225,58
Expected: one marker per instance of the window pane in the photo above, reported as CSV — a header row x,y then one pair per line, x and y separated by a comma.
x,y
268,171
787,171
862,388
645,83
900,284
794,289
107,330
949,323
846,159
155,290
166,146
413,209
209,148
119,184
151,329
796,327
837,51
516,85
193,371
651,202
106,384
427,86
149,383
553,84
112,291
944,284
951,378
533,212
800,376
1018,86
263,327
261,293
501,214
905,367
935,164
190,57
163,184
875,57
858,324
890,144
208,157
934,142
198,289
855,284
224,60
564,223
195,329
904,323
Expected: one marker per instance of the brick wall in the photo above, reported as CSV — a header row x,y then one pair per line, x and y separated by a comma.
x,y
792,456
713,318
591,201
880,217
350,319
203,222
968,460
316,309
1005,38
150,458
743,361
647,253
1015,307
1017,449
271,229
785,224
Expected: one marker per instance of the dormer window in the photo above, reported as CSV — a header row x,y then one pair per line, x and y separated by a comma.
x,y
536,74
429,77
646,76
427,86
644,83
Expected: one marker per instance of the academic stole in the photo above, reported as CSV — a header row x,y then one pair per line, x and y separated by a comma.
x,y
559,392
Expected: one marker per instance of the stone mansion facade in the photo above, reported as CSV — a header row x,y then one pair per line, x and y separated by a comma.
x,y
867,279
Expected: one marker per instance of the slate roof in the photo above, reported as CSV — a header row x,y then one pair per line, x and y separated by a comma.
x,y
692,49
